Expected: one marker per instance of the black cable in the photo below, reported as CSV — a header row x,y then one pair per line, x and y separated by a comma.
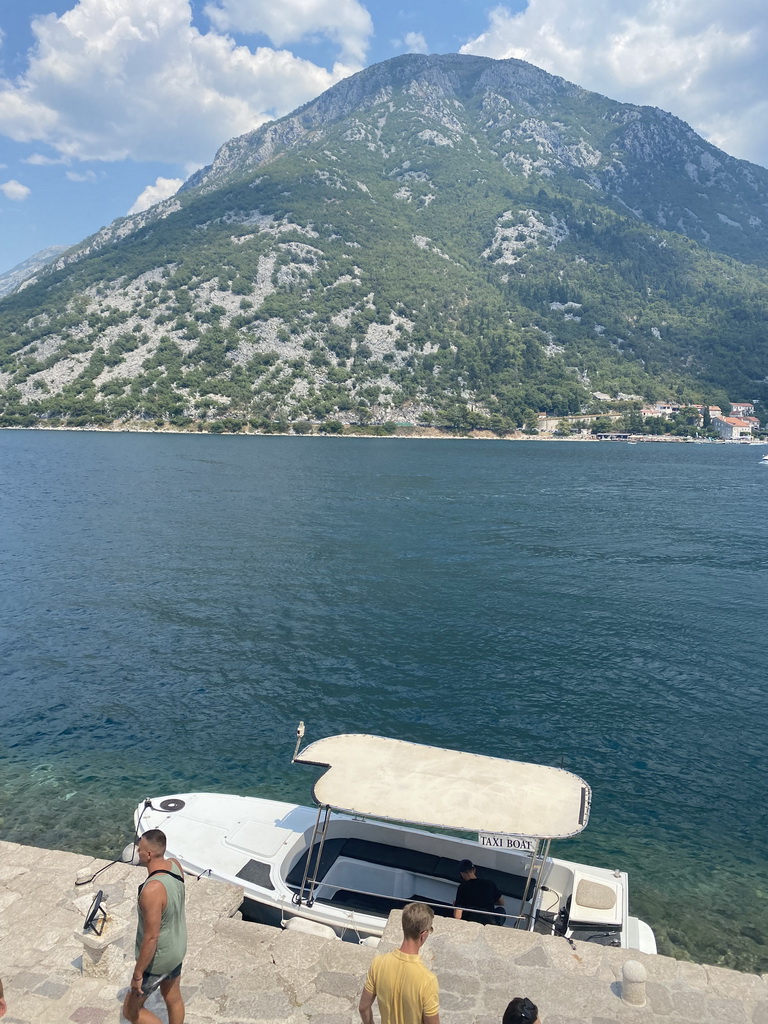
x,y
87,881
119,860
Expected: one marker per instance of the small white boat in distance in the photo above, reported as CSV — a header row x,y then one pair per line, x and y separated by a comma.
x,y
351,861
764,459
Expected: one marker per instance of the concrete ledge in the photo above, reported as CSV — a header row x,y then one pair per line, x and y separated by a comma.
x,y
240,973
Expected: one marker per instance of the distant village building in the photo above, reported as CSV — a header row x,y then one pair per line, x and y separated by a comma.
x,y
714,410
665,410
743,409
731,427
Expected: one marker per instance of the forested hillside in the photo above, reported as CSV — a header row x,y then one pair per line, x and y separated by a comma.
x,y
437,239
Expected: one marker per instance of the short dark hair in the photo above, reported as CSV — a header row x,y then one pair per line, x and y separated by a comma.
x,y
156,840
520,1011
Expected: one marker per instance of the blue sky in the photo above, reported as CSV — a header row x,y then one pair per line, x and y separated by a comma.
x,y
107,105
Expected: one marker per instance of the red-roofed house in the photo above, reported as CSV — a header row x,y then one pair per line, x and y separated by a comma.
x,y
742,409
714,410
731,427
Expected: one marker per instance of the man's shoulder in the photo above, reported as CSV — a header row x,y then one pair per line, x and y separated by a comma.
x,y
397,956
386,958
485,884
413,960
152,891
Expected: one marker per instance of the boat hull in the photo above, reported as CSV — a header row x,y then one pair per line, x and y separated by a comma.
x,y
369,868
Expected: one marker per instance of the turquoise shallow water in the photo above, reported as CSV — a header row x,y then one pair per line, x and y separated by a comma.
x,y
170,606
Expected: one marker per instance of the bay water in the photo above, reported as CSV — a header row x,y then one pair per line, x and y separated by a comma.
x,y
172,605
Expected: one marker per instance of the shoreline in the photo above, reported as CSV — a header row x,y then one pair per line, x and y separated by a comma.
x,y
409,433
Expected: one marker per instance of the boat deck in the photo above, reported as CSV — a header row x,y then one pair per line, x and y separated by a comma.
x,y
424,867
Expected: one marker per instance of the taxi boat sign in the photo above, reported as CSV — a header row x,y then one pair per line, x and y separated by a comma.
x,y
502,841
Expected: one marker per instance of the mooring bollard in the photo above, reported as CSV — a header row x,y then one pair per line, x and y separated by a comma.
x,y
633,979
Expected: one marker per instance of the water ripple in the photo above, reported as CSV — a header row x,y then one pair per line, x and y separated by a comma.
x,y
172,605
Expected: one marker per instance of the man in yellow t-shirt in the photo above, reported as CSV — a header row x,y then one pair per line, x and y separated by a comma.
x,y
407,993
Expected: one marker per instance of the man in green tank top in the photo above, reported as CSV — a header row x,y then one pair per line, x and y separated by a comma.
x,y
161,935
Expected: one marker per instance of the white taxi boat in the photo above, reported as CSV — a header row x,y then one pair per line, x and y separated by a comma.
x,y
368,847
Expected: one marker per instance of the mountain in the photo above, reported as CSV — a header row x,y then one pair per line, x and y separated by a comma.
x,y
13,278
641,159
445,239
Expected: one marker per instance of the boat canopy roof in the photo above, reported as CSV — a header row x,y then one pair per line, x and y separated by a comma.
x,y
409,782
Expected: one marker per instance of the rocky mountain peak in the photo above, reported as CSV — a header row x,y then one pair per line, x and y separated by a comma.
x,y
445,237
641,159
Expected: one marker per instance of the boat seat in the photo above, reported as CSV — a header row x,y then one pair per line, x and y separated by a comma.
x,y
440,907
367,903
398,857
391,856
331,853
404,859
384,904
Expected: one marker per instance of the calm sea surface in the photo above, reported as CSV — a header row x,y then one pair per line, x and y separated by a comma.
x,y
170,606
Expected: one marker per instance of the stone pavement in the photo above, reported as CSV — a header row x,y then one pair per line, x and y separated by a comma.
x,y
241,973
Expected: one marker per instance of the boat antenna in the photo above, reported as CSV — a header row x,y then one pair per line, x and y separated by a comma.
x,y
299,738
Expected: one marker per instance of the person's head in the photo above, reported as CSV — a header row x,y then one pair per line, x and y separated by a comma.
x,y
151,845
467,870
521,1011
417,921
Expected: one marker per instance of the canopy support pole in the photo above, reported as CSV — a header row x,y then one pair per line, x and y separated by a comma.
x,y
310,873
538,860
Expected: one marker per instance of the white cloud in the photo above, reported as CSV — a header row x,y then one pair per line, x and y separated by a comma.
x,y
700,59
39,160
75,176
415,42
345,22
162,189
14,190
135,78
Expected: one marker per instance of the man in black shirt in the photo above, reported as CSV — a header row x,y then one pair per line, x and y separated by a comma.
x,y
476,894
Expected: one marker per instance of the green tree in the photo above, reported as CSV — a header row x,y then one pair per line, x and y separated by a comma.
x,y
530,422
602,425
332,427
